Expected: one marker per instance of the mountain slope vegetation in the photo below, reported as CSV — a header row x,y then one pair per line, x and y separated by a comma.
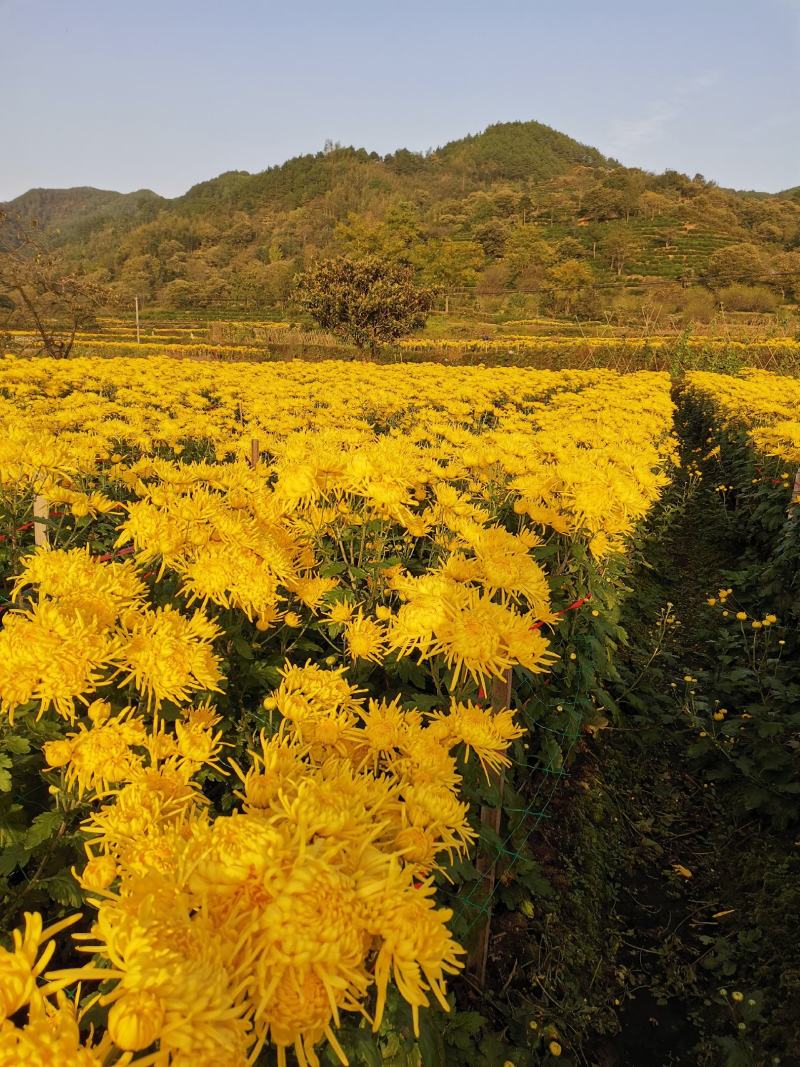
x,y
520,216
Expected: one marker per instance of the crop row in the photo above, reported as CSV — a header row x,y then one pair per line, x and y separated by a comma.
x,y
271,634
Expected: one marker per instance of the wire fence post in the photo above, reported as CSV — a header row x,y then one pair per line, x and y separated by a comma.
x,y
41,513
486,863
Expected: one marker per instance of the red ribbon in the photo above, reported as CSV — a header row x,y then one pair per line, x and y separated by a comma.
x,y
571,607
538,625
117,552
30,525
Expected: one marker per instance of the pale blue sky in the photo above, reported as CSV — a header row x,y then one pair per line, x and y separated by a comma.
x,y
165,93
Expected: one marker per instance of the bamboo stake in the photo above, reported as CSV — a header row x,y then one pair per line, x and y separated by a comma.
x,y
485,864
41,510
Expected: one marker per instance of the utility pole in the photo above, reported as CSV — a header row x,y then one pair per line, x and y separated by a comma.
x,y
136,304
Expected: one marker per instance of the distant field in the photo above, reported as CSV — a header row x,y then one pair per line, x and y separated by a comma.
x,y
544,343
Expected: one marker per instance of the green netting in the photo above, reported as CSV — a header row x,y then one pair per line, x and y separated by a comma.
x,y
481,893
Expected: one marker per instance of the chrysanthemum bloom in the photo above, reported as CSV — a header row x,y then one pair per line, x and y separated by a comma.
x,y
386,727
314,925
416,949
341,611
487,731
168,656
432,821
195,739
311,590
429,600
51,1035
21,966
424,760
51,655
97,591
174,974
98,874
154,798
274,770
237,852
506,567
365,638
300,1016
320,691
482,639
337,803
101,754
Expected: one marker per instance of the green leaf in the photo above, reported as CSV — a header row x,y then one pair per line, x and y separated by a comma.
x,y
607,701
11,857
270,674
16,744
364,1049
242,647
5,776
63,889
330,570
42,828
431,1043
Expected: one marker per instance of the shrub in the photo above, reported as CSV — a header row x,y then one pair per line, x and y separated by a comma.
x,y
748,298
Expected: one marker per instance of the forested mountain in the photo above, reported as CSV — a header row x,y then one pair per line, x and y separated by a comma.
x,y
82,210
520,214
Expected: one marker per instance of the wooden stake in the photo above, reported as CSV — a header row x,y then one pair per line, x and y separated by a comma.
x,y
41,510
254,453
136,304
485,864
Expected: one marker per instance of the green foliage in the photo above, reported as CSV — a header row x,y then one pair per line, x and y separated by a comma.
x,y
745,703
367,301
509,197
38,845
515,150
748,298
742,262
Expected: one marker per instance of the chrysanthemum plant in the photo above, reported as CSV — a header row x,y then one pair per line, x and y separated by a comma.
x,y
247,719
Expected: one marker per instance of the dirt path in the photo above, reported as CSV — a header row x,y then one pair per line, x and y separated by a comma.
x,y
662,930
697,908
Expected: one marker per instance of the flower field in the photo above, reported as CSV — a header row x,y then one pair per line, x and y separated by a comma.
x,y
766,407
255,624
748,449
752,450
548,347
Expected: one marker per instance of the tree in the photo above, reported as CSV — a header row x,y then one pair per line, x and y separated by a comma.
x,y
395,238
367,301
628,184
652,204
568,283
570,248
40,289
784,273
736,263
619,245
491,236
527,255
445,264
